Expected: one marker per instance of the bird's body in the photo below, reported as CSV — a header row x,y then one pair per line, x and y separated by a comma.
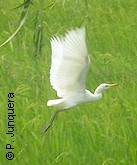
x,y
74,99
69,68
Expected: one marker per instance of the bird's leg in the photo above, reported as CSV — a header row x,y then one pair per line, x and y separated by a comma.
x,y
51,121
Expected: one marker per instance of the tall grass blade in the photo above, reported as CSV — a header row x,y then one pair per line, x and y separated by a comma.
x,y
24,14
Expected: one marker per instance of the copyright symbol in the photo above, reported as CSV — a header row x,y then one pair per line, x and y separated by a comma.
x,y
10,155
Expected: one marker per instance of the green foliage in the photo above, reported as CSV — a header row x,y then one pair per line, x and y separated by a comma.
x,y
101,133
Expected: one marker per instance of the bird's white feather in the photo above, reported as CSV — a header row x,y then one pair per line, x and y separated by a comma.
x,y
69,67
70,63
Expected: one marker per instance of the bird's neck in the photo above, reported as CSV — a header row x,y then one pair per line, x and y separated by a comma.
x,y
93,97
98,91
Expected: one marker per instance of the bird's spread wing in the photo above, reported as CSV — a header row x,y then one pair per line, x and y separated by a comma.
x,y
70,63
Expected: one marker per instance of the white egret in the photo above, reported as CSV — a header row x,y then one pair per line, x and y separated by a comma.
x,y
69,68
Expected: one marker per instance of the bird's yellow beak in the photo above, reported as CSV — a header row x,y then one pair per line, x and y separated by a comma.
x,y
112,85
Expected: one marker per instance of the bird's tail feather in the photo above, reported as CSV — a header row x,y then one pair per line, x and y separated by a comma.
x,y
55,102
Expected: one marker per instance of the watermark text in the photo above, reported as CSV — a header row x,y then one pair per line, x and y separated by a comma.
x,y
10,126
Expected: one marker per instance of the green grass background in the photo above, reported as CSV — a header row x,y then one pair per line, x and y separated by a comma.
x,y
100,133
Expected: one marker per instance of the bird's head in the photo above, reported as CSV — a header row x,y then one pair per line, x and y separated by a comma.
x,y
103,87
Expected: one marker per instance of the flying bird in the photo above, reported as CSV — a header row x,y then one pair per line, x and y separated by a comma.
x,y
70,63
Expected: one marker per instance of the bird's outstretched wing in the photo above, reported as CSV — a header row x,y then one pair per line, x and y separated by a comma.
x,y
70,63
